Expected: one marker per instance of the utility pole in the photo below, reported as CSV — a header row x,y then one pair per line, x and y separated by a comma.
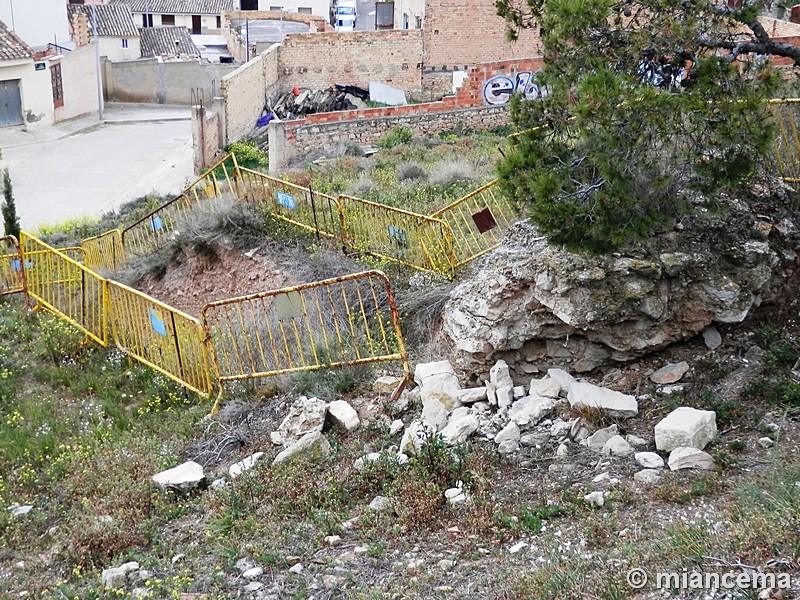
x,y
96,41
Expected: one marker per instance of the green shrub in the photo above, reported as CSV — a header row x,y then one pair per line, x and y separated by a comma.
x,y
248,154
396,137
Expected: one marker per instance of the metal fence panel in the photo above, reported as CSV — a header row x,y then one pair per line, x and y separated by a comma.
x,y
478,221
12,272
218,180
786,146
65,287
159,336
151,231
76,253
347,320
421,242
104,251
313,211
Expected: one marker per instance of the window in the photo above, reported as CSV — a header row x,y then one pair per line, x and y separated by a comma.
x,y
167,20
419,22
219,22
276,8
304,10
405,20
147,20
58,85
124,43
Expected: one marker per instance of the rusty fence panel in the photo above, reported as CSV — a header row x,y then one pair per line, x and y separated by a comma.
x,y
417,241
785,156
478,221
104,251
12,270
301,206
159,336
66,288
347,320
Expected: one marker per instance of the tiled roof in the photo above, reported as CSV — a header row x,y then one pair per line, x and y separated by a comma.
x,y
160,41
113,20
11,46
177,7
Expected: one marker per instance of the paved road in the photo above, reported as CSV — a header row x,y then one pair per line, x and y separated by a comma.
x,y
85,167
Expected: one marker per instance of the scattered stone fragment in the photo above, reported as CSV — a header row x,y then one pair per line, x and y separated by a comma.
x,y
343,415
508,447
182,478
519,392
617,446
413,437
471,395
671,390
386,384
446,564
218,484
361,462
613,403
686,426
248,463
306,415
636,441
332,540
438,381
459,428
17,510
598,439
380,504
517,547
116,577
670,373
534,439
562,451
396,426
712,338
253,586
766,442
604,476
546,387
530,410
276,438
177,558
505,397
500,375
647,476
434,414
313,445
455,495
509,432
562,378
296,569
690,458
595,498
649,460
253,572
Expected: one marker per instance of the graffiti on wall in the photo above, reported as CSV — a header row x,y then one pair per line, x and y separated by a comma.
x,y
498,89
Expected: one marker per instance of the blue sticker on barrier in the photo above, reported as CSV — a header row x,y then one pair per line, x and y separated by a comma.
x,y
158,323
398,235
156,223
286,200
17,266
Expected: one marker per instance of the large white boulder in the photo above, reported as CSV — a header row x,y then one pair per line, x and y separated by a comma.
x,y
509,432
343,415
312,445
117,577
690,458
546,386
618,446
459,428
500,376
649,460
530,410
686,426
562,378
248,463
182,478
598,439
438,380
613,403
306,415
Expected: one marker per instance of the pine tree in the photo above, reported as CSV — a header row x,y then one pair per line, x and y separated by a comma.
x,y
648,108
10,218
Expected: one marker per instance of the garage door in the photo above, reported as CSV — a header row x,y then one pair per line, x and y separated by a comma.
x,y
10,103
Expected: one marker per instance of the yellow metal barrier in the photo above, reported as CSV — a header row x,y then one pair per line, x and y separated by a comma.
x,y
786,147
159,336
149,232
66,288
347,320
313,211
104,251
478,222
398,235
12,270
76,253
218,180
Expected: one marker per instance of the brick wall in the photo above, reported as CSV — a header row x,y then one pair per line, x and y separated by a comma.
x,y
297,138
245,91
205,138
460,33
319,60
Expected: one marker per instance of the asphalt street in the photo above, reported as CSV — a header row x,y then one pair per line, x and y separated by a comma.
x,y
88,167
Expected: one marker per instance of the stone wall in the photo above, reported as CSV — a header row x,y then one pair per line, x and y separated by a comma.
x,y
288,139
154,82
319,60
245,91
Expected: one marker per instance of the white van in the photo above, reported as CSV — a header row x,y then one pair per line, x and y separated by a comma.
x,y
344,15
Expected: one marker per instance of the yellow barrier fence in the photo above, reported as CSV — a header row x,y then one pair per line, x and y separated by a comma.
x,y
218,180
398,235
76,253
66,288
12,271
478,222
159,336
313,211
104,251
347,320
786,147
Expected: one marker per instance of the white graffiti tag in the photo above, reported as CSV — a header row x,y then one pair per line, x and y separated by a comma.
x,y
498,90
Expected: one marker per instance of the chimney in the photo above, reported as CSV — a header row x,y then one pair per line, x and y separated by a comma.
x,y
81,33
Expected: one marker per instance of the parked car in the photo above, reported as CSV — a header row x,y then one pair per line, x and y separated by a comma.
x,y
344,25
344,10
